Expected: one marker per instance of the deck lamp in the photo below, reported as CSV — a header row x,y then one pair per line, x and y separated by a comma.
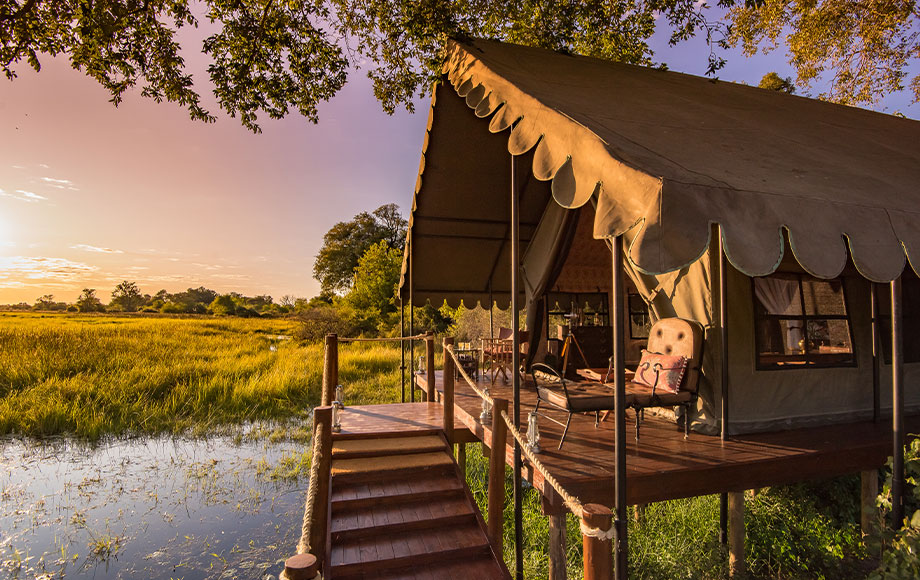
x,y
485,418
340,396
336,417
533,432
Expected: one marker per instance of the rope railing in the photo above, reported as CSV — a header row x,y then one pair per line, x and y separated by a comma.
x,y
573,503
303,546
472,384
384,338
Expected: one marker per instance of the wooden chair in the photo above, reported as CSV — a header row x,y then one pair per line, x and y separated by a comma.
x,y
676,337
498,351
572,397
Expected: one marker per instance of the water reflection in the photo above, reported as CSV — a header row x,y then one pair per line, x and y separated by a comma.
x,y
217,507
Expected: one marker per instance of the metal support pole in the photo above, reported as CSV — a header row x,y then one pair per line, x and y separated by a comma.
x,y
620,546
876,361
723,329
491,310
402,349
516,376
897,407
411,319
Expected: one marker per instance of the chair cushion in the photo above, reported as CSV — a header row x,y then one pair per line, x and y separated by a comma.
x,y
665,371
639,394
583,396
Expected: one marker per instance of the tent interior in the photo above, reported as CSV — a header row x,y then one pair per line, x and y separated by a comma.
x,y
805,243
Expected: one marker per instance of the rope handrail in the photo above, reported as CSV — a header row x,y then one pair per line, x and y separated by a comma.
x,y
303,546
384,338
570,501
472,384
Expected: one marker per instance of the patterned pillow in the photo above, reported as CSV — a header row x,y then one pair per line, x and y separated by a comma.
x,y
661,371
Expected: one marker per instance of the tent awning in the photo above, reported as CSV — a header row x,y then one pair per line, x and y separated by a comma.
x,y
670,154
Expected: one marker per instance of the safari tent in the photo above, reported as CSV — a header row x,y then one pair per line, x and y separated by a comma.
x,y
788,227
816,203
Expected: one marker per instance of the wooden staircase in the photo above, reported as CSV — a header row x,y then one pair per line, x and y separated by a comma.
x,y
400,509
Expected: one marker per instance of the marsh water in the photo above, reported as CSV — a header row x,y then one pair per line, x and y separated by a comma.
x,y
223,506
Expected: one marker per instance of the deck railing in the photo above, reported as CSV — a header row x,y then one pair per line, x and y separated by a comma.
x,y
595,519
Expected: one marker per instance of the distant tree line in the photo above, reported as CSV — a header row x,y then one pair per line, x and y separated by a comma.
x,y
127,297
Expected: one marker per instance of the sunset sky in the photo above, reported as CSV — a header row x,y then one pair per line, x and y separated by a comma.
x,y
91,195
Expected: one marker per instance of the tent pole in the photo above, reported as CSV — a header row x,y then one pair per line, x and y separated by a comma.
x,y
876,386
723,329
897,406
516,377
619,365
411,320
402,349
491,308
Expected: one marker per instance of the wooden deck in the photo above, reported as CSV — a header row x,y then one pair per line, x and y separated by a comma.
x,y
399,507
663,465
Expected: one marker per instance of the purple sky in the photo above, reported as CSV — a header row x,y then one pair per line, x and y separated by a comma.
x,y
91,195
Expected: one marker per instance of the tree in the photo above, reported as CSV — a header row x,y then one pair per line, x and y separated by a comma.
x,y
865,47
88,302
127,297
773,82
45,302
346,242
223,305
374,290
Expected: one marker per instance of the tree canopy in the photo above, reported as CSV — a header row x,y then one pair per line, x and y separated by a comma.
x,y
345,243
268,57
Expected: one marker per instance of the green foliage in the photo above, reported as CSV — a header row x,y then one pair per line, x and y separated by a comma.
x,y
87,302
346,242
863,48
773,82
127,297
901,555
373,293
315,322
223,305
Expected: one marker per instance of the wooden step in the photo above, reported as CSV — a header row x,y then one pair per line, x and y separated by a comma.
x,y
481,567
361,448
412,548
371,468
391,518
425,485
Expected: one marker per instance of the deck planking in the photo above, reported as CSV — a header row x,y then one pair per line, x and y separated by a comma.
x,y
662,465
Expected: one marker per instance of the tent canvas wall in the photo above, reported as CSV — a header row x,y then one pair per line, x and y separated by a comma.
x,y
662,157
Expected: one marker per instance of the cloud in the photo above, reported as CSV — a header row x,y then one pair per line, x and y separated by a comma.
x,y
17,166
23,195
44,166
60,183
88,248
15,269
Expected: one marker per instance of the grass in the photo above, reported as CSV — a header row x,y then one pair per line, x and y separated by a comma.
x,y
95,375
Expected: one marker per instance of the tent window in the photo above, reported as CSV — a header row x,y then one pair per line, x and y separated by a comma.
x,y
640,323
801,321
910,313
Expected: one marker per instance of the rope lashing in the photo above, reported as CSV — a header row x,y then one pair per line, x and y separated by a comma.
x,y
472,384
384,338
597,533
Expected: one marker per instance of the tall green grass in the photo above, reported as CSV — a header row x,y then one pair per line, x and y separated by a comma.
x,y
92,375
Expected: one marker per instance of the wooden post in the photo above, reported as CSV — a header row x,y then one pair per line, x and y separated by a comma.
x,y
868,493
330,369
557,541
736,533
447,401
301,567
497,474
598,553
430,391
322,421
461,458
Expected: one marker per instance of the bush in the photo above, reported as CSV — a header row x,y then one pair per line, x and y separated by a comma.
x,y
172,308
318,321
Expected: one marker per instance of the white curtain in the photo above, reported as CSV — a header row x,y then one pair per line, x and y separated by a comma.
x,y
781,296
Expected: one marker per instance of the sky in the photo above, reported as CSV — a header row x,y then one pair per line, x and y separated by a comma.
x,y
91,194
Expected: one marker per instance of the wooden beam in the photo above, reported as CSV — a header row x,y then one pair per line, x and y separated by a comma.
x,y
461,458
557,541
447,397
330,369
736,533
598,553
497,475
868,513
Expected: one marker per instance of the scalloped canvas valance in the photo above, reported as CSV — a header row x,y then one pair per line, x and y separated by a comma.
x,y
667,155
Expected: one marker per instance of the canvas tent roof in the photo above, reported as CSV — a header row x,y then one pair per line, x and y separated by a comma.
x,y
666,153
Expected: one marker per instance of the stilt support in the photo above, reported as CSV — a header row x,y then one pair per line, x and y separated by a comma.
x,y
736,533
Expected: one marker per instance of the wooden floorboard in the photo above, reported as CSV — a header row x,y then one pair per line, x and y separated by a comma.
x,y
663,465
